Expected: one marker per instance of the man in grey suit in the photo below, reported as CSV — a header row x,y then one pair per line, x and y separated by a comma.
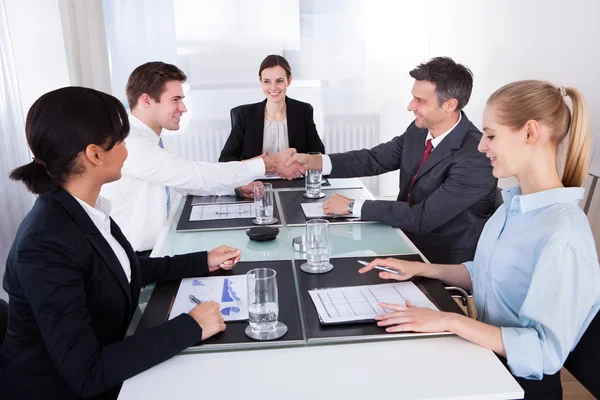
x,y
447,190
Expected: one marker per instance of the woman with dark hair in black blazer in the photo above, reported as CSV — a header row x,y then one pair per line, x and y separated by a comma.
x,y
274,124
72,278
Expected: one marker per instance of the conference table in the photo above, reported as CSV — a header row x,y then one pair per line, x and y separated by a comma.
x,y
409,366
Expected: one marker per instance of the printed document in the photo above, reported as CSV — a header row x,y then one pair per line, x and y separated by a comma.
x,y
222,211
359,303
315,210
229,291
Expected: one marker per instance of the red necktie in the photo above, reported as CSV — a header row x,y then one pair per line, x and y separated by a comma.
x,y
426,154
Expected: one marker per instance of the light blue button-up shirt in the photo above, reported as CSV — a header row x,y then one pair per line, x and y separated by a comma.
x,y
536,275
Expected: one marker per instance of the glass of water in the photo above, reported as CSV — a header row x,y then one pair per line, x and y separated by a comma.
x,y
317,246
263,203
313,180
263,305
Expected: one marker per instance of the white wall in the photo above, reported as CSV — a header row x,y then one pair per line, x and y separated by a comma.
x,y
38,47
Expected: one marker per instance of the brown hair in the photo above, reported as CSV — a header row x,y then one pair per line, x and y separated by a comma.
x,y
150,78
452,80
274,60
521,101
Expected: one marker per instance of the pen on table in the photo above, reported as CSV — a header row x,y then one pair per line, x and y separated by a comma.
x,y
391,271
195,299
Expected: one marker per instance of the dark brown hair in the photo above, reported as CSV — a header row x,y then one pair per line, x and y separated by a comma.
x,y
452,80
59,126
150,78
274,60
519,102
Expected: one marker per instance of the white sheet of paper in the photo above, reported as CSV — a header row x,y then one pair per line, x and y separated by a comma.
x,y
229,291
222,211
218,200
315,210
356,303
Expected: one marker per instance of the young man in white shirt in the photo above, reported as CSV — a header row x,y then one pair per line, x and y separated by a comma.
x,y
141,199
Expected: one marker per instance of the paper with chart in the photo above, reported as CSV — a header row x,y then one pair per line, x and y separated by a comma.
x,y
315,210
222,211
230,291
357,303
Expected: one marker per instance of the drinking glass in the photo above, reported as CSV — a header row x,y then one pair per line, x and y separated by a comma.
x,y
313,180
263,305
263,203
317,247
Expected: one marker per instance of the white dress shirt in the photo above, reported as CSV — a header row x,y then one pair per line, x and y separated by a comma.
x,y
358,203
139,201
100,217
275,136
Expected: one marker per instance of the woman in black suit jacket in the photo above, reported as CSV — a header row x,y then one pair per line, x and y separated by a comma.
x,y
261,127
72,278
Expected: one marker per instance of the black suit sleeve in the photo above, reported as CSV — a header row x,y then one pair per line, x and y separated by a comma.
x,y
313,141
232,151
53,277
467,183
380,159
163,269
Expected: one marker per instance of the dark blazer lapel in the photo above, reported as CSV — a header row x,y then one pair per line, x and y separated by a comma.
x,y
256,126
136,272
447,147
292,112
94,237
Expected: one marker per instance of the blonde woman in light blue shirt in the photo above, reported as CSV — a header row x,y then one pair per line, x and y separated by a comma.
x,y
535,277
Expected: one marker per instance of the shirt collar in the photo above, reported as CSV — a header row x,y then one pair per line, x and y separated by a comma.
x,y
142,129
98,214
514,198
437,140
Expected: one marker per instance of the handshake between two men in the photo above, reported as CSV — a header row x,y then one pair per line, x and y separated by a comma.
x,y
290,164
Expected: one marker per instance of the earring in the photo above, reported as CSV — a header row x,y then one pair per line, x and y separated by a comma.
x,y
100,162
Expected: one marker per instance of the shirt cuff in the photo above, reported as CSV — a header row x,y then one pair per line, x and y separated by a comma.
x,y
256,166
520,345
326,165
357,211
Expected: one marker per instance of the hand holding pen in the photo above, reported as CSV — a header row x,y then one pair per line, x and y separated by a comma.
x,y
392,269
208,315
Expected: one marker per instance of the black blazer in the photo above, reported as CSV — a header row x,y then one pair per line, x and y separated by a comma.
x,y
247,130
70,305
451,199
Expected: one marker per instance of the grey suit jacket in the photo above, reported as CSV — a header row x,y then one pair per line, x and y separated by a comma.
x,y
451,199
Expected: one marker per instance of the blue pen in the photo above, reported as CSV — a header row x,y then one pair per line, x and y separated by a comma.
x,y
195,299
391,271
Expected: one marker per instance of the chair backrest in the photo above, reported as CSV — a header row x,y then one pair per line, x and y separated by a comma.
x,y
499,199
584,359
3,319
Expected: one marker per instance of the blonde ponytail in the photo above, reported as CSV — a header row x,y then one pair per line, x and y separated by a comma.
x,y
578,153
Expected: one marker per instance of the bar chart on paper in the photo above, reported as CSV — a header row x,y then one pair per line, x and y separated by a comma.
x,y
359,303
229,291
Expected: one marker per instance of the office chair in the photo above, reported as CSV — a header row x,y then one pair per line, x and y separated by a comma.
x,y
583,361
499,200
3,319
